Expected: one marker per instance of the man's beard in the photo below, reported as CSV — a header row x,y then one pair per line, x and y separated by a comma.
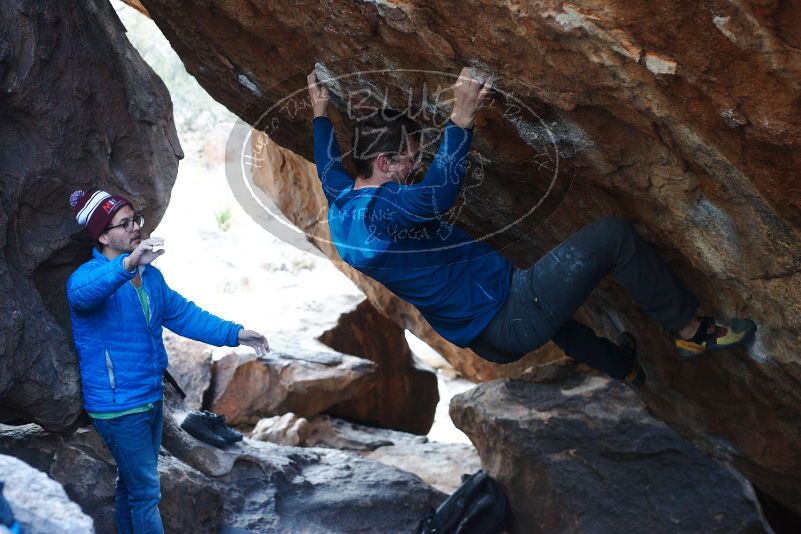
x,y
132,244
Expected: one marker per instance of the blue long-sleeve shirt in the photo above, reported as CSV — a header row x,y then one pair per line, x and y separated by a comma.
x,y
396,235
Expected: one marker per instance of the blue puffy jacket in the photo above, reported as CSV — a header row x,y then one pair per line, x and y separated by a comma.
x,y
121,355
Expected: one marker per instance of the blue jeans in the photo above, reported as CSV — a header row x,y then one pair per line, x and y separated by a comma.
x,y
134,441
543,298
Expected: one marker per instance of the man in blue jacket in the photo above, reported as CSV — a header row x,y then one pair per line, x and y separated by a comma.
x,y
118,306
395,232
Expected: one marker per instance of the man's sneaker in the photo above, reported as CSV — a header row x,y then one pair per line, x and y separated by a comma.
x,y
199,425
715,335
636,376
221,428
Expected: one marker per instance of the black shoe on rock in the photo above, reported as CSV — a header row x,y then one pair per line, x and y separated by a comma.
x,y
201,426
221,428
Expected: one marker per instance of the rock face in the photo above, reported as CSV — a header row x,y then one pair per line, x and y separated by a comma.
x,y
270,488
693,132
190,365
191,502
78,108
287,429
583,455
406,395
401,394
251,485
438,464
39,502
304,378
319,491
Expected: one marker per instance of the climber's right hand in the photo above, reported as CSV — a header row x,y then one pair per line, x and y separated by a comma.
x,y
318,95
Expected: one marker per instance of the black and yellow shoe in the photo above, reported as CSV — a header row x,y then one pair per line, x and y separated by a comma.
x,y
715,334
636,377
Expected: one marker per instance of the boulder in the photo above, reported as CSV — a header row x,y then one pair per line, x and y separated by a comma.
x,y
191,502
583,455
79,109
251,485
300,376
693,133
321,491
190,365
438,464
38,502
287,429
274,488
406,395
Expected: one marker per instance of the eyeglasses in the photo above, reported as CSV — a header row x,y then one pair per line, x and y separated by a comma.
x,y
128,224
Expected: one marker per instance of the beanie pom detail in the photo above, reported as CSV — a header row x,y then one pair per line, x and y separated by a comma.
x,y
75,197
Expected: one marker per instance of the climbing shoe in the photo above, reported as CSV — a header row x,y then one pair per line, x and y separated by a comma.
x,y
715,334
218,425
202,427
636,377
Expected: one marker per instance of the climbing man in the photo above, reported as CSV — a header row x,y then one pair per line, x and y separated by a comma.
x,y
118,305
394,232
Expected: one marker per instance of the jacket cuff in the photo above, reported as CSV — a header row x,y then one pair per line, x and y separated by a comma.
x,y
233,340
451,123
121,268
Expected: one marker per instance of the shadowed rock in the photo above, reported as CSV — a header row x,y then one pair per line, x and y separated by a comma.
x,y
271,488
694,133
78,108
583,455
438,464
405,397
190,365
191,502
38,502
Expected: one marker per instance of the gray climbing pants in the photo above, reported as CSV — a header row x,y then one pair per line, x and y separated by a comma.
x,y
543,298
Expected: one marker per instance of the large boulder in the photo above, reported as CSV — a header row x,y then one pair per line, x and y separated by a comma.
x,y
191,502
693,132
402,395
438,464
287,489
251,485
78,108
38,502
301,376
406,395
272,488
190,365
583,455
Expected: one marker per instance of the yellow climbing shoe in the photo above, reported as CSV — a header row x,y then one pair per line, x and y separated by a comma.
x,y
715,335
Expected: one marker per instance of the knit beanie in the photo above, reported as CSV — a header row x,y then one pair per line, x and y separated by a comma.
x,y
94,209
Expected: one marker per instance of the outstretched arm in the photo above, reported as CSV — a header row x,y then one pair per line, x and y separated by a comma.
x,y
89,288
327,155
435,195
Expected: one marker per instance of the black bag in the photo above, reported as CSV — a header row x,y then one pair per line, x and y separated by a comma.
x,y
478,506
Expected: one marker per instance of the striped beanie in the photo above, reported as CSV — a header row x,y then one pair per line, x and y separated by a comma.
x,y
94,209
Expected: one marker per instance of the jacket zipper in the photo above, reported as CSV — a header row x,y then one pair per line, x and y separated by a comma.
x,y
149,327
110,369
